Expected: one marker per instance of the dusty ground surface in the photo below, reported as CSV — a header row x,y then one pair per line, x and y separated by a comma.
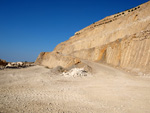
x,y
108,90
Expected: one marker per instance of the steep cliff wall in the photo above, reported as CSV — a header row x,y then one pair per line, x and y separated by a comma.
x,y
121,40
131,53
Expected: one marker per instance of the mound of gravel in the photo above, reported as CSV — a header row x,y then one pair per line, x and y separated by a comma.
x,y
76,72
58,70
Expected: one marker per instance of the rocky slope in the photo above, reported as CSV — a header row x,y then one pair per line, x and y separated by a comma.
x,y
3,63
121,40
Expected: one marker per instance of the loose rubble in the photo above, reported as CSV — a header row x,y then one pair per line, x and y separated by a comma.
x,y
16,65
19,64
76,72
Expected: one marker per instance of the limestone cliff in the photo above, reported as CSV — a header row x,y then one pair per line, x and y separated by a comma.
x,y
121,40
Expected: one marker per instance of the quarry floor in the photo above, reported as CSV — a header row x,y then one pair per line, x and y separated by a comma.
x,y
108,90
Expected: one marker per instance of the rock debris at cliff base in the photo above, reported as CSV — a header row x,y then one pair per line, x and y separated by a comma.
x,y
76,72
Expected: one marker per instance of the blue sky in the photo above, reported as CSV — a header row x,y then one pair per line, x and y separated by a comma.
x,y
28,27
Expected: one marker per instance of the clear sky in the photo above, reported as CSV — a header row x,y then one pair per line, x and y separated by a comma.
x,y
28,27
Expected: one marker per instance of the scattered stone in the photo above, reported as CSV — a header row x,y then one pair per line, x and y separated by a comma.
x,y
81,65
76,72
19,64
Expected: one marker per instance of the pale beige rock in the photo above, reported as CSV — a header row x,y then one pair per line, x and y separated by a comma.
x,y
120,40
103,34
54,59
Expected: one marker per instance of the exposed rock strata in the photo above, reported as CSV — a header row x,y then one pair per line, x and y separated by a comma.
x,y
120,40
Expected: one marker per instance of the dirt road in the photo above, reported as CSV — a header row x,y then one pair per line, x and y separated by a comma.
x,y
108,90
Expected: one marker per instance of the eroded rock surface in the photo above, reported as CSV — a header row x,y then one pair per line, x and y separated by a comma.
x,y
54,59
121,40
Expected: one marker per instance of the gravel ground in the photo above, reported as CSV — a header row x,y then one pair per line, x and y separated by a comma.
x,y
108,90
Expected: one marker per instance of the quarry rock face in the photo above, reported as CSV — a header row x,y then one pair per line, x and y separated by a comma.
x,y
121,40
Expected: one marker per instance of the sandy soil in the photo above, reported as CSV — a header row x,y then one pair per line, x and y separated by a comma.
x,y
37,90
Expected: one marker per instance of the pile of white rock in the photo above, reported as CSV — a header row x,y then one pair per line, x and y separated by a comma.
x,y
18,65
14,64
76,72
